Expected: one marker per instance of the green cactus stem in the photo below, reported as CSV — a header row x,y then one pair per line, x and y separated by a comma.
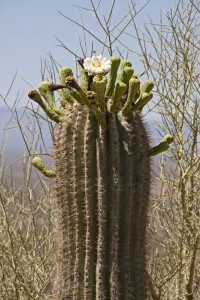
x,y
102,180
72,83
46,89
146,87
134,87
119,92
93,104
51,113
142,101
38,163
113,75
126,75
64,94
83,80
163,146
99,85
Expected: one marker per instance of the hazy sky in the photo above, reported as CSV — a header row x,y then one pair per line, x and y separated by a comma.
x,y
28,30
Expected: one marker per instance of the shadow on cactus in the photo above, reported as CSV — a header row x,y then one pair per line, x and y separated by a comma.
x,y
102,175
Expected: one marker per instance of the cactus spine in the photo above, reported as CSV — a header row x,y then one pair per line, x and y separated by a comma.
x,y
102,159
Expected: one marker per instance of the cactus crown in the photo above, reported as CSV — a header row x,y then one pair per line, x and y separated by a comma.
x,y
96,91
121,92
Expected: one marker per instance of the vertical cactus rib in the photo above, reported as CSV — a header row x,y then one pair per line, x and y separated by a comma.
x,y
102,242
63,188
138,236
78,202
90,206
133,211
125,132
114,208
145,196
61,228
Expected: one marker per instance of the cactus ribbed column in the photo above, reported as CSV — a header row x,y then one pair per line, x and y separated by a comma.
x,y
103,192
102,179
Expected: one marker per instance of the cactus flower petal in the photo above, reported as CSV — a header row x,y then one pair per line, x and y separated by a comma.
x,y
97,65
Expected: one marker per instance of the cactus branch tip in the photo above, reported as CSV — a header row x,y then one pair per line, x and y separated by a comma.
x,y
163,146
35,96
38,163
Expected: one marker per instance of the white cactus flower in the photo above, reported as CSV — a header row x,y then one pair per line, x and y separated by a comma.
x,y
97,65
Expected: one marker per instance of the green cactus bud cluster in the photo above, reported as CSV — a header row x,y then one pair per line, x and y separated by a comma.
x,y
102,179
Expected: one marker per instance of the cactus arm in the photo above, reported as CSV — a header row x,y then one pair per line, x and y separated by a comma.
x,y
145,95
115,62
126,75
120,90
64,73
46,92
64,94
99,86
134,86
76,96
65,97
35,96
53,115
100,116
143,100
72,83
46,89
163,146
123,65
146,87
84,79
38,163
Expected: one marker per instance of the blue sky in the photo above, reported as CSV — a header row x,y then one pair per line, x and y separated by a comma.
x,y
28,30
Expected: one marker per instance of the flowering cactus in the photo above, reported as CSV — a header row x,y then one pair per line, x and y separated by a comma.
x,y
102,179
97,65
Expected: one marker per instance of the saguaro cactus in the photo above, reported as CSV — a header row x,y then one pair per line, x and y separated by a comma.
x,y
102,162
